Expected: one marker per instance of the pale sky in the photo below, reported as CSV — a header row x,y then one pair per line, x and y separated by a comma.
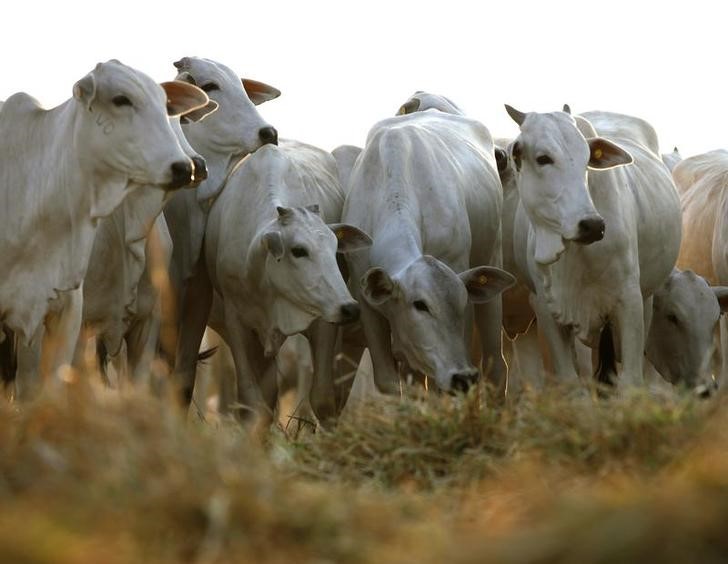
x,y
342,66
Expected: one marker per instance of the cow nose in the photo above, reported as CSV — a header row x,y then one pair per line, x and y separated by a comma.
x,y
461,381
349,312
181,174
591,230
200,168
268,135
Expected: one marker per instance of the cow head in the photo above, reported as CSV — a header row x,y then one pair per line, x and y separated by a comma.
x,y
236,128
425,305
551,157
680,342
421,101
301,268
123,125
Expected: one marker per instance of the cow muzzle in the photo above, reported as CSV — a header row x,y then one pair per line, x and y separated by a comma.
x,y
463,380
182,174
590,230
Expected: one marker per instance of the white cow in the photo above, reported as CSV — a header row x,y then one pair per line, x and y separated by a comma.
x,y
702,181
223,138
120,302
596,238
61,170
671,159
271,260
427,190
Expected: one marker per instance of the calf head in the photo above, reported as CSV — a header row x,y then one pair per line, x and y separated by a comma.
x,y
681,338
421,101
426,305
124,128
551,157
301,267
236,128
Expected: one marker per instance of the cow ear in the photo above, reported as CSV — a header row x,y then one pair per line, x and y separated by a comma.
x,y
605,154
377,287
486,282
259,92
516,154
350,238
273,242
198,115
85,90
410,106
183,98
721,294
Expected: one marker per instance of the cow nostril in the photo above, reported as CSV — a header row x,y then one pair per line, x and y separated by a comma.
x,y
590,230
268,135
462,381
349,312
181,174
200,168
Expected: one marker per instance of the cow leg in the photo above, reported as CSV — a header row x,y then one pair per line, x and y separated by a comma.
x,y
489,318
723,329
322,337
141,345
629,332
61,334
196,305
559,340
247,356
28,381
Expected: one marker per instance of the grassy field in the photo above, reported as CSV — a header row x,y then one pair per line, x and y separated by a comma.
x,y
93,476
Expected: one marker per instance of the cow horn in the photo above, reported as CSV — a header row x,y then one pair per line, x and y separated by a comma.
x,y
567,109
518,117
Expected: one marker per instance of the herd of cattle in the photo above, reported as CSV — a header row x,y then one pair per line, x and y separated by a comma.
x,y
437,239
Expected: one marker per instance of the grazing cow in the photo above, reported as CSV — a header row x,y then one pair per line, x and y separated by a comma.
x,y
233,131
671,159
426,188
595,237
702,181
63,169
271,260
120,302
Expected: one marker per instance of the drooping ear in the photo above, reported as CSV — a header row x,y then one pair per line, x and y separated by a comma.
x,y
198,115
567,109
85,90
486,282
409,107
314,208
721,294
273,242
518,117
183,97
605,154
501,159
350,238
377,287
259,92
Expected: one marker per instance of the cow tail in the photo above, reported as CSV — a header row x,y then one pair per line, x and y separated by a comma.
x,y
607,367
102,357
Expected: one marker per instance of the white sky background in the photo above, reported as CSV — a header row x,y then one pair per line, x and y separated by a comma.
x,y
344,65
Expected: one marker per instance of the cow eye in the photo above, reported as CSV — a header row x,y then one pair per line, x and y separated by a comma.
x,y
210,86
420,305
121,100
299,252
544,160
672,318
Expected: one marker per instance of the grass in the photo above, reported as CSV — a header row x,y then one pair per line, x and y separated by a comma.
x,y
88,475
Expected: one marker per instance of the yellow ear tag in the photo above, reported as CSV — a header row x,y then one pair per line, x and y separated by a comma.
x,y
482,279
598,153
